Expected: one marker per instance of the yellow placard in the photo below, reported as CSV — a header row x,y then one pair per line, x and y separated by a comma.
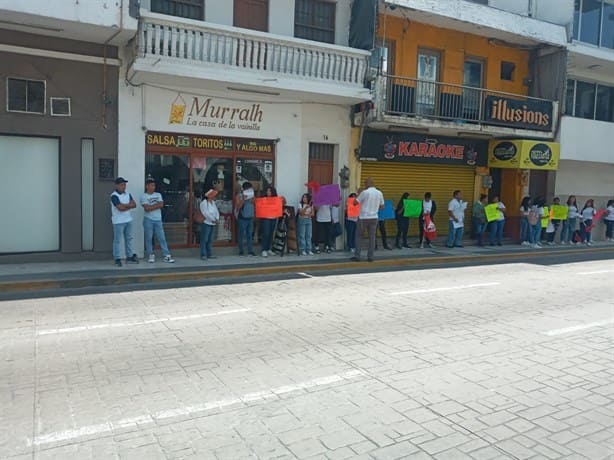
x,y
523,154
559,212
492,212
546,217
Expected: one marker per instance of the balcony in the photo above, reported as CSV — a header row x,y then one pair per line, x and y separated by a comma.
x,y
448,109
294,68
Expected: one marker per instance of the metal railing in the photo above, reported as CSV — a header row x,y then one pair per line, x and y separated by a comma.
x,y
406,96
208,44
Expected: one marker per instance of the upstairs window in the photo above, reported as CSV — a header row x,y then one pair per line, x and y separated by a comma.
x,y
26,96
191,9
594,22
315,20
589,100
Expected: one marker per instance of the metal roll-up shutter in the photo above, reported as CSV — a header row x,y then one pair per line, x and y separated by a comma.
x,y
393,179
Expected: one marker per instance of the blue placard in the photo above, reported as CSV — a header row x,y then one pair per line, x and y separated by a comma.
x,y
388,212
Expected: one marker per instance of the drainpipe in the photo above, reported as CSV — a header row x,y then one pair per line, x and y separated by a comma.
x,y
105,101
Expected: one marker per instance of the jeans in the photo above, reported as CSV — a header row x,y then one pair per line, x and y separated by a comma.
x,y
154,227
246,230
350,233
370,226
525,229
120,230
402,230
267,226
304,227
496,231
535,232
206,238
478,228
551,236
586,234
569,226
609,228
455,235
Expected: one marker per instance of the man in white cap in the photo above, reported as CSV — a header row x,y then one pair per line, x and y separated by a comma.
x,y
121,216
153,203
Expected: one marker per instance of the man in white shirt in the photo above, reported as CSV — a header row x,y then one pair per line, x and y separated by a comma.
x,y
153,203
371,201
456,211
122,204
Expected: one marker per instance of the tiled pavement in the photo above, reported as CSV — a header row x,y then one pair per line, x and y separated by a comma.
x,y
501,362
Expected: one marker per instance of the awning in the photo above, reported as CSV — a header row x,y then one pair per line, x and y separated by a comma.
x,y
523,154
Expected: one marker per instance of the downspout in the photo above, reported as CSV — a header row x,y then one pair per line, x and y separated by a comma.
x,y
105,100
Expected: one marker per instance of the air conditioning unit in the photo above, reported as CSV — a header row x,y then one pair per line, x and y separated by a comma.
x,y
60,107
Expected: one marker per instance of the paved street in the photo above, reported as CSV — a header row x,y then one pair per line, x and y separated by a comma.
x,y
495,362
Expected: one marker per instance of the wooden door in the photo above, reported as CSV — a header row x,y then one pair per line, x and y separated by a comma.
x,y
252,14
321,163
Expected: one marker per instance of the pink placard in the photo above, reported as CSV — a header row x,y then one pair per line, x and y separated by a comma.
x,y
327,195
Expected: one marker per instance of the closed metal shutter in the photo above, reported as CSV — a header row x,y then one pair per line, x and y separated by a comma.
x,y
393,179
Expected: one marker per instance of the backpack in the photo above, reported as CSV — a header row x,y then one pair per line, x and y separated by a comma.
x,y
533,216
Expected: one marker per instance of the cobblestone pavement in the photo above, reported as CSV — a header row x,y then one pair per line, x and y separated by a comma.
x,y
501,362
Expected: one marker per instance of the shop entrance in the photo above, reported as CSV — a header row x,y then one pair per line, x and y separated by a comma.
x,y
184,173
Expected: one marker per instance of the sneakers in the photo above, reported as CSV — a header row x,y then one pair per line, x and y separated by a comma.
x,y
310,253
251,253
588,243
265,254
422,244
118,262
431,245
151,259
132,260
525,243
303,253
168,259
535,246
203,258
550,243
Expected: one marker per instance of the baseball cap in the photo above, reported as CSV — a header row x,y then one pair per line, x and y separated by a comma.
x,y
150,180
120,180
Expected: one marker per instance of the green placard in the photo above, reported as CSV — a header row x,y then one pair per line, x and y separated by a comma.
x,y
492,212
559,212
546,217
412,208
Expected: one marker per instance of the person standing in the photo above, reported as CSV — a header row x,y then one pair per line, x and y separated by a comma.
x,y
586,224
556,223
350,228
402,222
569,225
324,219
609,221
429,208
209,210
525,207
535,223
305,224
371,201
496,226
245,212
268,225
122,204
478,216
456,213
153,203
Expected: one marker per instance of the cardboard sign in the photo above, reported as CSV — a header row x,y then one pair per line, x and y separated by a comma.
x,y
353,210
492,212
327,195
412,208
559,212
546,217
388,212
269,207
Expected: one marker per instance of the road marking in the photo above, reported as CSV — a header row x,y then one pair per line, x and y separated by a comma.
x,y
598,272
567,330
140,420
442,289
66,330
306,275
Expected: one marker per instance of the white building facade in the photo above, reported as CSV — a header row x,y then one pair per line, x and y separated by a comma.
x,y
217,93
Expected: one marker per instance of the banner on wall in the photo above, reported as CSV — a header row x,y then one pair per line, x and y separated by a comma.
x,y
524,154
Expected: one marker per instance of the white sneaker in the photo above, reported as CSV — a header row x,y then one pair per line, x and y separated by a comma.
x,y
422,244
303,253
265,254
151,259
168,259
310,253
589,243
539,245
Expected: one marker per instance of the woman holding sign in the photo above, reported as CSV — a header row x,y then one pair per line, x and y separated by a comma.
x,y
352,211
556,223
268,225
402,222
305,216
569,224
497,225
586,224
429,207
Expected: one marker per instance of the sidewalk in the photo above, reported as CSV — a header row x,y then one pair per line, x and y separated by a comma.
x,y
188,266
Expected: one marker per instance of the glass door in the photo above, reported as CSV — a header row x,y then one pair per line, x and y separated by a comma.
x,y
172,176
426,87
472,98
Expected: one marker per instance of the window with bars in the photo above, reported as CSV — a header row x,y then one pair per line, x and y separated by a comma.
x,y
321,152
192,9
592,101
315,20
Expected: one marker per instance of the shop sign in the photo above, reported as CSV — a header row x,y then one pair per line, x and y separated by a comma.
x,y
215,143
523,154
207,112
417,148
528,113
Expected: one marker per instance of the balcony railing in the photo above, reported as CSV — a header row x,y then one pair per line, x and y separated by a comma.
x,y
465,104
204,44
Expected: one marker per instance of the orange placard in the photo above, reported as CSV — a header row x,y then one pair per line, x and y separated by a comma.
x,y
353,210
269,207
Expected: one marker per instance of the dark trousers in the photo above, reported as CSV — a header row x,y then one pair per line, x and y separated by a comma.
x,y
369,226
402,230
584,231
350,233
609,228
268,227
381,225
323,233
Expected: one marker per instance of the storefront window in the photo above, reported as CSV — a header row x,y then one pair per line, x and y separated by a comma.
x,y
585,100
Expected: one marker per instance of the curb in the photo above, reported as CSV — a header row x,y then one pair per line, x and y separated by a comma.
x,y
202,274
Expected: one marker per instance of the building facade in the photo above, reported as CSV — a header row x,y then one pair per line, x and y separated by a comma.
x,y
218,93
466,96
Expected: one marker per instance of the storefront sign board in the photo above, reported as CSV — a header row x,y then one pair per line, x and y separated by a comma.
x,y
524,113
523,154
